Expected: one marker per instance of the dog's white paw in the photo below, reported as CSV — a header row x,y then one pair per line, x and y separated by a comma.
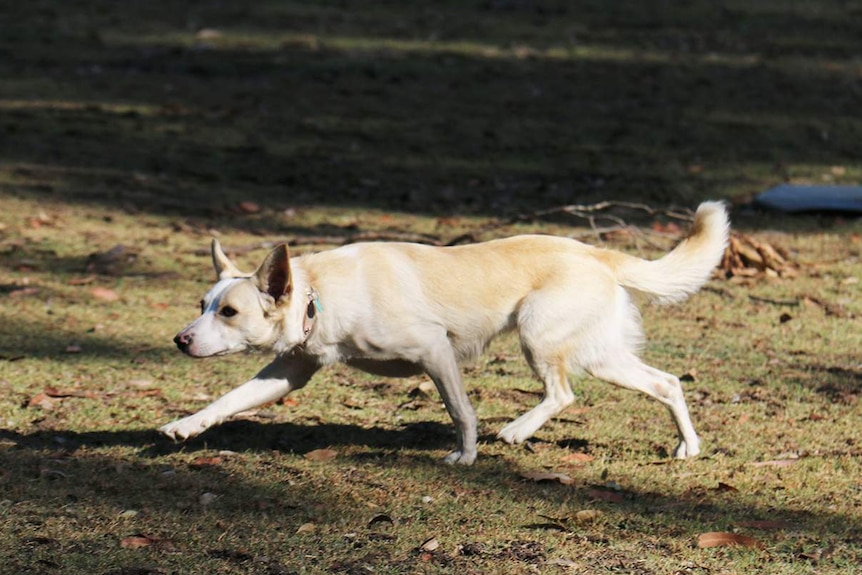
x,y
513,433
460,458
685,450
187,427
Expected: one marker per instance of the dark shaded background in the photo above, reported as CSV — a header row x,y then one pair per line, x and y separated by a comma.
x,y
476,107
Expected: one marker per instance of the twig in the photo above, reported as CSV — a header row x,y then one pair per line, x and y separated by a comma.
x,y
779,302
583,211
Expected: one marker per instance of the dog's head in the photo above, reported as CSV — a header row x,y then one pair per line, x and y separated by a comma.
x,y
241,311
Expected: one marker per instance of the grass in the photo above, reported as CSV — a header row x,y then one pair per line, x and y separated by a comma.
x,y
158,125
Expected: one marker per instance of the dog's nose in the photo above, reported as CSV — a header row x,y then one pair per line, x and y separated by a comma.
x,y
183,340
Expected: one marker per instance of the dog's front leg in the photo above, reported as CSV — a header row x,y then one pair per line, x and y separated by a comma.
x,y
273,382
442,367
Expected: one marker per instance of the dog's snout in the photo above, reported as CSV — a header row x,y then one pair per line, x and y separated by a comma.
x,y
183,340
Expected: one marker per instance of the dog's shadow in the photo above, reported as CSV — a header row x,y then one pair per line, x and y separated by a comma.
x,y
246,435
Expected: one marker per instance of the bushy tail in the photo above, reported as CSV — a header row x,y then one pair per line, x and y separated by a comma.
x,y
684,270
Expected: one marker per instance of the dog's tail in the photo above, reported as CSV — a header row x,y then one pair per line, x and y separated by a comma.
x,y
684,270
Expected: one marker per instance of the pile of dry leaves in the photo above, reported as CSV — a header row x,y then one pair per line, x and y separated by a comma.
x,y
746,256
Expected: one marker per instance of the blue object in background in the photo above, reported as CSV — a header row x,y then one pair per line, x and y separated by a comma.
x,y
811,198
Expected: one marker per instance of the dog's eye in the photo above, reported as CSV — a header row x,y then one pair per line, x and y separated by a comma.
x,y
228,311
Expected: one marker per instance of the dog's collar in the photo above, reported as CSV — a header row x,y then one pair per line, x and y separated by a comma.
x,y
312,309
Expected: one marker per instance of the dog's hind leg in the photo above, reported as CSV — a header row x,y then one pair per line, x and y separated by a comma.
x,y
626,370
440,364
274,381
558,396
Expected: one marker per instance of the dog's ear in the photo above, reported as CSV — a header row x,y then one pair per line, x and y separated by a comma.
x,y
273,275
224,268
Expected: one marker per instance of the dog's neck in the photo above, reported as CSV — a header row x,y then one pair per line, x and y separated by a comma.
x,y
302,314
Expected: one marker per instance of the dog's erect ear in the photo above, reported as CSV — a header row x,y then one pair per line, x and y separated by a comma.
x,y
273,275
224,268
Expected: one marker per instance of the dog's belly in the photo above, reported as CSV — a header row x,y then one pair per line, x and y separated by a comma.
x,y
386,367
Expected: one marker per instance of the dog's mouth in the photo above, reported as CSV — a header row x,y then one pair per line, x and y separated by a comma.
x,y
203,355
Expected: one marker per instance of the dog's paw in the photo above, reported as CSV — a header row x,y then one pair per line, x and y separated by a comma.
x,y
460,458
186,427
685,450
513,434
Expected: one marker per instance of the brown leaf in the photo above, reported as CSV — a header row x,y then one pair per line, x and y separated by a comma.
x,y
104,294
201,462
41,400
725,488
723,539
578,457
587,515
306,528
321,455
23,292
248,207
539,476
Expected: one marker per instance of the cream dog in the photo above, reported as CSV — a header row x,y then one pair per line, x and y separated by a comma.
x,y
399,309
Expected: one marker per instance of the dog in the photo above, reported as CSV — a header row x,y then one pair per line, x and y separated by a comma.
x,y
401,309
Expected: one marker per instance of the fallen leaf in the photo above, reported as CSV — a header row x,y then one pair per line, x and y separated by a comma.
x,y
201,462
104,294
539,476
430,545
587,515
141,382
23,292
249,207
578,457
818,554
725,488
41,400
321,455
306,528
723,539
73,348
